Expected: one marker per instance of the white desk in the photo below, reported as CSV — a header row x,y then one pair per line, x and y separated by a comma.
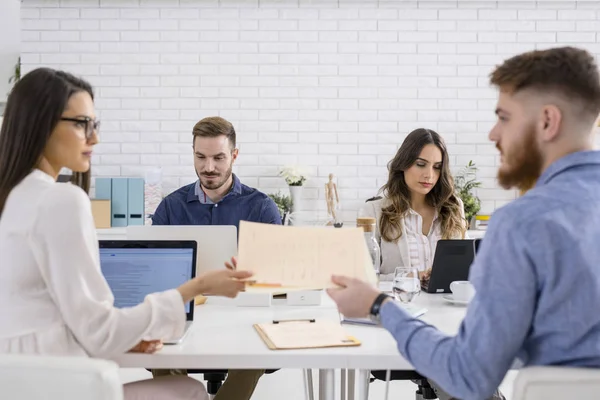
x,y
223,337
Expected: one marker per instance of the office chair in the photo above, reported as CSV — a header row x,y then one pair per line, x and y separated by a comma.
x,y
373,199
424,389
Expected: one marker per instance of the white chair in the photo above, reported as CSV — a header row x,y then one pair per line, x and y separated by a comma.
x,y
550,383
36,377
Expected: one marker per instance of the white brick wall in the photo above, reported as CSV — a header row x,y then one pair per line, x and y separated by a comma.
x,y
332,85
9,43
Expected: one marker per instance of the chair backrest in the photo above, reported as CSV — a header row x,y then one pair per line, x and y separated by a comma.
x,y
375,198
549,383
36,377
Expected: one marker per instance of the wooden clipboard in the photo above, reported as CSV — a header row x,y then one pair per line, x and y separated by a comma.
x,y
304,334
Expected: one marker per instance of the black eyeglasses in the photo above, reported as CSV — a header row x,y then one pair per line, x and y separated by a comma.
x,y
90,126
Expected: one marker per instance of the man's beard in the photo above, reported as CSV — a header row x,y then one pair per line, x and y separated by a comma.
x,y
524,164
214,184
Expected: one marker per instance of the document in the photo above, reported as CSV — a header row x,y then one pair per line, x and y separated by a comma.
x,y
304,335
413,310
302,257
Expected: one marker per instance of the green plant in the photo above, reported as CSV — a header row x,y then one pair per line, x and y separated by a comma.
x,y
17,73
284,203
465,181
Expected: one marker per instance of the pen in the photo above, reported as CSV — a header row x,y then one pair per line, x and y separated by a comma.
x,y
293,320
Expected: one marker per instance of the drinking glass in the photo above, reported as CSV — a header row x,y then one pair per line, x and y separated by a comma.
x,y
406,284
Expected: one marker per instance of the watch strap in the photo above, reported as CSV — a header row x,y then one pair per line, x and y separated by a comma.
x,y
376,307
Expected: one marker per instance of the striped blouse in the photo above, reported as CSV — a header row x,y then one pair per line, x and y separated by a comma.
x,y
421,247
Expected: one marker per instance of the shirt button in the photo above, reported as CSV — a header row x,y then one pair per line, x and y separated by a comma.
x,y
216,205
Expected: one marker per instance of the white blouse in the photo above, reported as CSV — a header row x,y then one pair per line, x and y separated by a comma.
x,y
413,248
53,295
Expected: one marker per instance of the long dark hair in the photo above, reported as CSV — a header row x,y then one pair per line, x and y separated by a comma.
x,y
33,110
442,196
82,179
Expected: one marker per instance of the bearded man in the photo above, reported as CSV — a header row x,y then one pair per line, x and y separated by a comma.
x,y
536,274
217,197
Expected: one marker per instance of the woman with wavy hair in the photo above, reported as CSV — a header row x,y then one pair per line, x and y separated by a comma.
x,y
419,205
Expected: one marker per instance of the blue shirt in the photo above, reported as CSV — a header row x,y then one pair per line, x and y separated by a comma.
x,y
242,203
537,278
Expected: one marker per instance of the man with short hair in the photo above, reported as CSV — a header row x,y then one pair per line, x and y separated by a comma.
x,y
536,275
217,198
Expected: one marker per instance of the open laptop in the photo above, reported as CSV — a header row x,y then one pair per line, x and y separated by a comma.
x,y
136,268
452,261
216,243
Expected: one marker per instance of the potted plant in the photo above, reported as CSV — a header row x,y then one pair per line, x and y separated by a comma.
x,y
295,178
465,181
17,72
284,204
16,76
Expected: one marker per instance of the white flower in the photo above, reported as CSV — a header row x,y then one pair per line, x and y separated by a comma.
x,y
294,176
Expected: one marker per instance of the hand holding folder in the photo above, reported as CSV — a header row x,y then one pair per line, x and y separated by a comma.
x,y
304,334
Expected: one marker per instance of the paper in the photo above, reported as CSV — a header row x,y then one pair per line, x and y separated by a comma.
x,y
305,335
302,257
413,310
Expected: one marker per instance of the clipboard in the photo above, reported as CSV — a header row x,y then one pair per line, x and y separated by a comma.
x,y
304,334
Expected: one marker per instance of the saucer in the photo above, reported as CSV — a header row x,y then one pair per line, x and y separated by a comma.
x,y
450,299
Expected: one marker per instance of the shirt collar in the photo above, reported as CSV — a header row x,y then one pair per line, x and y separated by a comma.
x,y
201,194
38,173
569,161
413,212
197,194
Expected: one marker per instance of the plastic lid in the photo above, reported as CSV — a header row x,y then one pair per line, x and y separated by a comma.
x,y
366,223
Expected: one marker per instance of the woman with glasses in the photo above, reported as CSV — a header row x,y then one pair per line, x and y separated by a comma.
x,y
56,300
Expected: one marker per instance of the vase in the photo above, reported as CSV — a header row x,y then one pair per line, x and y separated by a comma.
x,y
296,194
152,193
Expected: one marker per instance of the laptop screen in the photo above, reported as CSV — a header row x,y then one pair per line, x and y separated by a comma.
x,y
133,273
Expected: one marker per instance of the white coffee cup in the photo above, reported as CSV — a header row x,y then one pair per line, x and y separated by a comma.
x,y
462,290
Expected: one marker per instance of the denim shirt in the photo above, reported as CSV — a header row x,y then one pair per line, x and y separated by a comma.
x,y
242,203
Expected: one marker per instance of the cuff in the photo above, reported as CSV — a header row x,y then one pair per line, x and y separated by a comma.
x,y
392,315
168,315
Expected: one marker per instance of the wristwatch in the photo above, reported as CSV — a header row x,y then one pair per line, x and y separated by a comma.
x,y
376,307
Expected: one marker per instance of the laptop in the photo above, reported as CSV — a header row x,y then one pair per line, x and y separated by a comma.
x,y
452,261
216,243
137,268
